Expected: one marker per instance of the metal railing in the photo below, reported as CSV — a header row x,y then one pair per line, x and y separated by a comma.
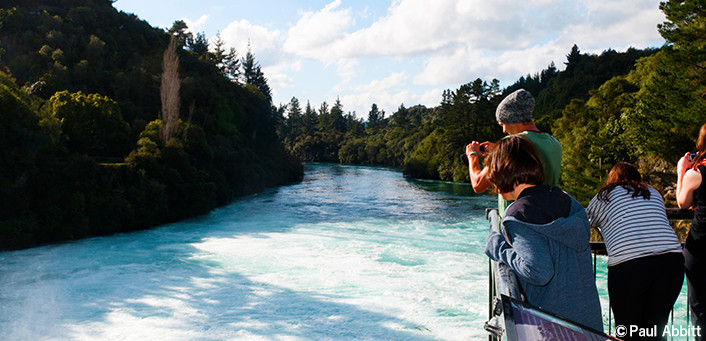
x,y
502,279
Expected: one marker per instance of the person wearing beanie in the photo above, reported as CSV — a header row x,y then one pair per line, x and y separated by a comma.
x,y
514,114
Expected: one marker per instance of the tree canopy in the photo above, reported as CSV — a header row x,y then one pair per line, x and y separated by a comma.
x,y
89,145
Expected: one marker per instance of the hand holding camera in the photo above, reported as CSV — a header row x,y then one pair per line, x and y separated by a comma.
x,y
685,162
475,147
692,156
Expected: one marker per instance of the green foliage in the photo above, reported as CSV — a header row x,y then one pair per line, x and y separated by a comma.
x,y
426,161
21,139
649,117
584,72
252,74
91,124
80,140
686,25
424,142
601,108
591,135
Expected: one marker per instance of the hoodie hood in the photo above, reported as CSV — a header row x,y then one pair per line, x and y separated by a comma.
x,y
573,231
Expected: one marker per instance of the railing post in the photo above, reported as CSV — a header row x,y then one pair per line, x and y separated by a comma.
x,y
502,281
491,295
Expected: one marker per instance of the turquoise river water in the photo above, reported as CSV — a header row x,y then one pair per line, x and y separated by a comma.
x,y
349,253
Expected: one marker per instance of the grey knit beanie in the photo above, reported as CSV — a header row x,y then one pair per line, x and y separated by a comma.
x,y
515,108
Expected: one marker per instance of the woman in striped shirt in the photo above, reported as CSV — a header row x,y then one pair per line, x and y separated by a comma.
x,y
645,261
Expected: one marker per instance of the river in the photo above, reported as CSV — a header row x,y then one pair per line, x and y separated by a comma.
x,y
349,253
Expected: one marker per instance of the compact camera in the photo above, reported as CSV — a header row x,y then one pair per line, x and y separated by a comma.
x,y
464,158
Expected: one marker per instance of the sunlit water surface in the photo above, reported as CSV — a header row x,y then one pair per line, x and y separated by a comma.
x,y
349,253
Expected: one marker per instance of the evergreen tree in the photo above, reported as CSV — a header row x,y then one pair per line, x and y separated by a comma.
x,y
572,60
294,118
252,74
199,45
375,116
218,55
310,119
231,65
180,31
337,119
226,61
400,118
69,170
686,31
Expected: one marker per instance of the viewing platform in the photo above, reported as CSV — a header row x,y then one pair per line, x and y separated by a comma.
x,y
504,294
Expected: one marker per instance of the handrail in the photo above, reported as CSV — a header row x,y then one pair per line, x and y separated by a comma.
x,y
502,279
506,281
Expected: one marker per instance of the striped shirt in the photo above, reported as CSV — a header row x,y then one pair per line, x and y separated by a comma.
x,y
633,227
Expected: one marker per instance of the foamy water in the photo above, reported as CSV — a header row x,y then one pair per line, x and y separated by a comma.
x,y
350,253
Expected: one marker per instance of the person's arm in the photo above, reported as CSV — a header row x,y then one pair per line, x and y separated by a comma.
x,y
478,174
595,212
530,259
690,181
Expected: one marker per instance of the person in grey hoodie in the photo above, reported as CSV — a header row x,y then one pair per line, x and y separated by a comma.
x,y
546,238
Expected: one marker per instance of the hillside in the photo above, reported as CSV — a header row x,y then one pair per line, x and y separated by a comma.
x,y
644,107
82,129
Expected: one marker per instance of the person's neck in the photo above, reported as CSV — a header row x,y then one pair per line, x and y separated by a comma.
x,y
516,192
522,127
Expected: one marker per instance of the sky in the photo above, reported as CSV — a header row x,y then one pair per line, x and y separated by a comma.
x,y
405,52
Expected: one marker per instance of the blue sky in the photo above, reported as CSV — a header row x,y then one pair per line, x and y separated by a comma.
x,y
405,51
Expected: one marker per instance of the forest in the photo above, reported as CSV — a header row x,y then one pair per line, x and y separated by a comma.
x,y
109,125
640,106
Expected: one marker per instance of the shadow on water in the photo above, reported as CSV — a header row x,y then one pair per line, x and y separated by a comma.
x,y
113,293
158,283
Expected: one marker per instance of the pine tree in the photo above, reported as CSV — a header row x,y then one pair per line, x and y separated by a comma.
x,y
309,119
232,65
375,116
294,117
572,59
226,61
252,74
199,45
218,55
180,31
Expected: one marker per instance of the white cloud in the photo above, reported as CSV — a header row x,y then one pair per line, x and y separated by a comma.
x,y
389,101
197,25
617,25
594,26
315,32
386,84
467,39
346,70
276,74
388,93
265,44
421,27
431,98
456,41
